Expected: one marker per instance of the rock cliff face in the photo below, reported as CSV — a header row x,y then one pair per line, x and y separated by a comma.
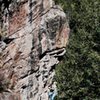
x,y
34,34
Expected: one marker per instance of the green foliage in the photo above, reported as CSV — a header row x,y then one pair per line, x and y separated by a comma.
x,y
78,75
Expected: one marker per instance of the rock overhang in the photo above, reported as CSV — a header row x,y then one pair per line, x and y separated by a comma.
x,y
54,30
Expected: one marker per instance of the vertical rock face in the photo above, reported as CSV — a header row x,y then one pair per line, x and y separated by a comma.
x,y
33,35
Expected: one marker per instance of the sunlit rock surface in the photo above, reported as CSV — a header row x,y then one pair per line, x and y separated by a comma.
x,y
35,34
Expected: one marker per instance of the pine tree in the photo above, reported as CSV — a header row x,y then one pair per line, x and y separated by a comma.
x,y
78,75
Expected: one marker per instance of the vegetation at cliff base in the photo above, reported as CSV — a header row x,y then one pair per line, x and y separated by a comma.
x,y
78,75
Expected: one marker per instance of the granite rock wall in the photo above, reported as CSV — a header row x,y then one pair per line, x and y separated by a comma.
x,y
33,36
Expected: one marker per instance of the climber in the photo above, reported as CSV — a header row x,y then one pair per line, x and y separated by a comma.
x,y
52,94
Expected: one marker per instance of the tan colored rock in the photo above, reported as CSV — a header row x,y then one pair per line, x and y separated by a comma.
x,y
37,34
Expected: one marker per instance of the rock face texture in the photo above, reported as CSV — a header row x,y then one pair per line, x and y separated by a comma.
x,y
33,36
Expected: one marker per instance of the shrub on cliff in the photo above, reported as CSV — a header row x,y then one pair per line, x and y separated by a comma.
x,y
78,75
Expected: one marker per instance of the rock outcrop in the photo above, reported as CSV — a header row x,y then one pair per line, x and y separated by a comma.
x,y
34,34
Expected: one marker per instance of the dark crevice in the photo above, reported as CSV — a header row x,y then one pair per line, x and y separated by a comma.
x,y
1,88
52,68
23,87
6,40
31,4
60,50
42,55
60,58
6,4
